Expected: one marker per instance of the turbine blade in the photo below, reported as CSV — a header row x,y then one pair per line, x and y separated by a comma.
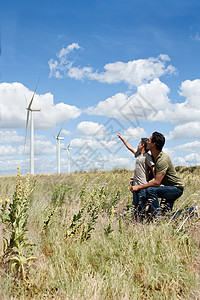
x,y
59,132
69,144
29,107
27,119
26,99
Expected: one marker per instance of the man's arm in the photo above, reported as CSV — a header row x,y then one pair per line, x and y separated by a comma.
x,y
154,183
153,169
126,143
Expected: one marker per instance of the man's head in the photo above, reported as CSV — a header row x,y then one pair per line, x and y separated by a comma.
x,y
157,139
143,145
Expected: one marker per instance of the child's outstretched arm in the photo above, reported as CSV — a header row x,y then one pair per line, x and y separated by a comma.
x,y
126,143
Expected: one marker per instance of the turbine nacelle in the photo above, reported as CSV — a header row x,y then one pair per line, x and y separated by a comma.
x,y
33,109
68,147
58,138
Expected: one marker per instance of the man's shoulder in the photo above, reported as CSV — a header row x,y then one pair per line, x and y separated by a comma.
x,y
162,160
162,156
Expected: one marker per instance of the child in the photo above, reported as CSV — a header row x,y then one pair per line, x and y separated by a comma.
x,y
143,165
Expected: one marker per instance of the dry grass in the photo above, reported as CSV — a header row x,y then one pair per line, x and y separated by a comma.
x,y
134,261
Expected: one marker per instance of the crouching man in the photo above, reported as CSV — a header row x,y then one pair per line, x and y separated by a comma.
x,y
165,175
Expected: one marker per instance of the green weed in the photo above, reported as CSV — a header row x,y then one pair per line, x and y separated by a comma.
x,y
17,248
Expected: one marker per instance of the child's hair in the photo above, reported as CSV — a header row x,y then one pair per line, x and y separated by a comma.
x,y
144,142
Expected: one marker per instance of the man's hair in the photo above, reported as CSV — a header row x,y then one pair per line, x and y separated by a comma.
x,y
144,142
158,139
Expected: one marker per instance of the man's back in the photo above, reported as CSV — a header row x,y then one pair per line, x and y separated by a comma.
x,y
164,166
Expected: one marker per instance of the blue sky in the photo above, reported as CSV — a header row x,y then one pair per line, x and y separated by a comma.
x,y
103,66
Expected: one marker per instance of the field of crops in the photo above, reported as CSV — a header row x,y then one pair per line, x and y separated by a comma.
x,y
73,237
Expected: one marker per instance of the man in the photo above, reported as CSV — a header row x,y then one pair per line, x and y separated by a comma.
x,y
165,175
143,164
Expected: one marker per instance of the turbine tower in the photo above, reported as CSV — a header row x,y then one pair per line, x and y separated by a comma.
x,y
68,157
58,138
30,110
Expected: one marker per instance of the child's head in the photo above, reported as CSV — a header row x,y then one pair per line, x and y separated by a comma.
x,y
144,143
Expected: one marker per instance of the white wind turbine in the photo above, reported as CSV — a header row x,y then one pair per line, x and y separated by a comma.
x,y
68,157
29,109
58,138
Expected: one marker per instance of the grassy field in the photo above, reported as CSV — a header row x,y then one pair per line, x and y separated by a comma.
x,y
73,237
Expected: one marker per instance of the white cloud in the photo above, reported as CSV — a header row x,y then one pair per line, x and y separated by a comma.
x,y
179,161
197,37
41,147
190,147
134,73
99,136
132,134
8,136
179,158
94,144
193,158
110,107
171,152
9,166
155,93
191,91
58,67
7,150
142,105
66,132
185,131
89,153
119,162
13,108
151,103
139,71
80,74
164,57
91,129
177,113
65,51
50,164
108,161
187,111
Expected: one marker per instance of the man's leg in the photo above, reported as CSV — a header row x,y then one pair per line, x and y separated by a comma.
x,y
169,193
165,207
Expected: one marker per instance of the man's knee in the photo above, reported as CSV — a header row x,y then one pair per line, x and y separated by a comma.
x,y
150,191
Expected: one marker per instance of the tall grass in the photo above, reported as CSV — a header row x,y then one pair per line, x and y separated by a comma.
x,y
108,256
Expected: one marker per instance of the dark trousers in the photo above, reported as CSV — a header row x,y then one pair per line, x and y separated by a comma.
x,y
139,201
168,193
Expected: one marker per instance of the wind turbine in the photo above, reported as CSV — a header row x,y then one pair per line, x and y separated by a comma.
x,y
58,138
68,157
30,110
